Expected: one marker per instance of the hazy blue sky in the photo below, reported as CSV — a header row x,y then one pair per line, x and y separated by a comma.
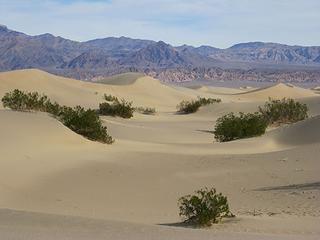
x,y
219,23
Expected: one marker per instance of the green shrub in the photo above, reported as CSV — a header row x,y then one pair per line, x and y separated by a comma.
x,y
284,111
110,98
187,107
24,101
53,108
146,110
84,122
204,208
120,108
231,127
207,101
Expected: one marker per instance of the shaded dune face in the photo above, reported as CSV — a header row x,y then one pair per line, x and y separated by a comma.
x,y
47,168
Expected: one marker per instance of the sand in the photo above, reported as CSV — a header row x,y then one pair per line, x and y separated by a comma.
x,y
67,187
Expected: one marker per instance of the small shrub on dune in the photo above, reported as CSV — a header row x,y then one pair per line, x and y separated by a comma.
x,y
24,101
207,101
284,111
204,208
110,98
86,123
146,110
230,127
120,108
187,107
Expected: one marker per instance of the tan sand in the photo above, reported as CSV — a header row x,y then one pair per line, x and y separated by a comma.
x,y
220,90
272,182
278,91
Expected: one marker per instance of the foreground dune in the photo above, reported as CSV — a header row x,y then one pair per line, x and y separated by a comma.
x,y
62,181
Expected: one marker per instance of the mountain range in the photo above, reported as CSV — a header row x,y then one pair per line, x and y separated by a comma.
x,y
90,60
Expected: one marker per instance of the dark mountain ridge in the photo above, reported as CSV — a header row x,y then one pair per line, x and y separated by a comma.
x,y
103,57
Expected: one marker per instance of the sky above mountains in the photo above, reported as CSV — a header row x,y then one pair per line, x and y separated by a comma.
x,y
219,23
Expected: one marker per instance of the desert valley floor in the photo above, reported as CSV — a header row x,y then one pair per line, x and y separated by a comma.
x,y
55,184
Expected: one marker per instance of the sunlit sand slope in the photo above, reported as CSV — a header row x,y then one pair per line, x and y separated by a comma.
x,y
272,181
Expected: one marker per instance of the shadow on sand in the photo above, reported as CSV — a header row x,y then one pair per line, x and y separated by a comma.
x,y
304,186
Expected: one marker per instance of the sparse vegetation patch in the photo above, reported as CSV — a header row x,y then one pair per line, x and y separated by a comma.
x,y
204,208
121,108
84,122
230,127
146,110
187,107
284,111
25,101
110,98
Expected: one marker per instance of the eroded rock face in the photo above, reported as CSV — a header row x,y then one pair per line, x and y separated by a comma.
x,y
218,74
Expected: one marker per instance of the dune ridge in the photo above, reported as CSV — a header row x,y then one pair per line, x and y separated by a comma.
x,y
277,91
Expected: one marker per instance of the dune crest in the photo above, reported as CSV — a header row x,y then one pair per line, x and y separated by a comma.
x,y
277,91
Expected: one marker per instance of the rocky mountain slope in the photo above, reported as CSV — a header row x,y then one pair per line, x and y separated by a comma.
x,y
255,61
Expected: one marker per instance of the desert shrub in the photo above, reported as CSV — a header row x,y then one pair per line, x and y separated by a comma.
x,y
86,123
120,108
207,101
204,208
53,108
230,127
284,111
187,107
24,101
146,110
110,98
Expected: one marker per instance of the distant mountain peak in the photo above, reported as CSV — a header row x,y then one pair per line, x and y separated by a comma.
x,y
45,35
248,45
3,28
162,43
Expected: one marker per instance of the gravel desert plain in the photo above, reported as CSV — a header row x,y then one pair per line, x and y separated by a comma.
x,y
56,184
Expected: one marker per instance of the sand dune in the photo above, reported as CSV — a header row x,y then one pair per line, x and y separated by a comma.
x,y
301,133
133,185
219,90
65,227
122,79
73,92
278,91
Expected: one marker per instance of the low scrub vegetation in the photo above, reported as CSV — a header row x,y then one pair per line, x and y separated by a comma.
x,y
230,127
284,111
110,98
207,101
25,101
120,108
146,110
204,208
274,112
187,107
84,122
